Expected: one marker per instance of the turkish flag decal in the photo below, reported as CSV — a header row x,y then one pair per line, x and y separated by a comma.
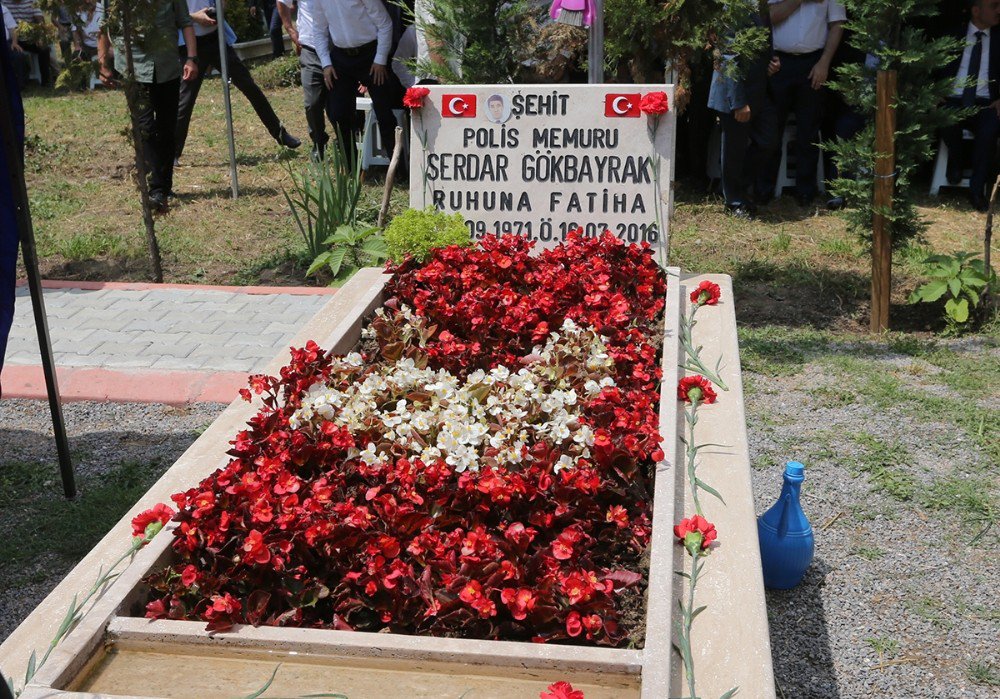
x,y
619,104
460,106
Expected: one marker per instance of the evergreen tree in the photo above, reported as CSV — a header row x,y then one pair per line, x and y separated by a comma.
x,y
485,39
892,33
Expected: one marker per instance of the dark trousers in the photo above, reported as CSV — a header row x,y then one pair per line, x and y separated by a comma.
x,y
239,76
314,94
844,122
792,92
157,123
985,127
745,148
353,68
273,20
44,60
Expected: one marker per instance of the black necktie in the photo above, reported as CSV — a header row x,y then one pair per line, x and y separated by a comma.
x,y
975,61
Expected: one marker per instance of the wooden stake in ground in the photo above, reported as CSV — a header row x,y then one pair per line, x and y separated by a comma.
x,y
885,165
988,241
390,177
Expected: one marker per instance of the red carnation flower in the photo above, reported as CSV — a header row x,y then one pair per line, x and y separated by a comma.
x,y
707,294
654,103
145,525
697,388
561,690
414,97
695,533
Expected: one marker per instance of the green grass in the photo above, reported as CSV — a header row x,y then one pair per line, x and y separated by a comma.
x,y
884,464
984,673
869,553
39,523
884,646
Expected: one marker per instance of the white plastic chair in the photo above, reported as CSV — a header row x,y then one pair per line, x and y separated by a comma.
x,y
940,178
786,171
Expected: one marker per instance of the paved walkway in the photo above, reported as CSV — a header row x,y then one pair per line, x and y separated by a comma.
x,y
146,342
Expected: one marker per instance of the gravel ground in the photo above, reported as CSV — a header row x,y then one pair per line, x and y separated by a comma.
x,y
897,603
103,436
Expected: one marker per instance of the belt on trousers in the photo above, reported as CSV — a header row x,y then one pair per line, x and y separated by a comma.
x,y
807,54
358,50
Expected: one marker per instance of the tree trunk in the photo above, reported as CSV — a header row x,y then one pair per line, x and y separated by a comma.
x,y
987,299
133,98
885,165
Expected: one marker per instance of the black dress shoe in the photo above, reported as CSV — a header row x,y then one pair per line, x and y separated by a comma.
x,y
743,210
835,203
286,139
158,202
979,203
954,171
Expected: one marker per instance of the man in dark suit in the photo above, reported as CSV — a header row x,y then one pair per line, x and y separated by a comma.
x,y
977,85
739,92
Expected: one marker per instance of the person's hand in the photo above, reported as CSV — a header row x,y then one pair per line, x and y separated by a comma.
x,y
16,47
742,114
106,76
201,17
294,36
190,71
329,76
774,66
253,11
818,75
996,107
379,73
362,90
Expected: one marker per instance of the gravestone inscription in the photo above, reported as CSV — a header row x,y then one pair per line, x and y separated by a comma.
x,y
542,160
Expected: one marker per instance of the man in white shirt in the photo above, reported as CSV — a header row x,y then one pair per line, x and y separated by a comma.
x,y
806,35
360,48
314,90
86,29
977,85
205,28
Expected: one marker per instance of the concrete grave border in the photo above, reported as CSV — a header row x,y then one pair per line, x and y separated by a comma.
x,y
734,625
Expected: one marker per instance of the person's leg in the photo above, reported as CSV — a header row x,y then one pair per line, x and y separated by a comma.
x,y
381,96
244,82
808,111
763,136
985,128
314,98
166,97
781,100
44,60
274,29
735,138
187,96
342,102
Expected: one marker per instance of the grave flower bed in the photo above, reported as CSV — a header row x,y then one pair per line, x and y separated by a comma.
x,y
481,467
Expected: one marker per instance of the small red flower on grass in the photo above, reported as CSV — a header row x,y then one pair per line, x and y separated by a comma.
x,y
146,525
414,97
695,389
707,294
561,690
695,533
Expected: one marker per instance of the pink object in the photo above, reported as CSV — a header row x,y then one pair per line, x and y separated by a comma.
x,y
584,6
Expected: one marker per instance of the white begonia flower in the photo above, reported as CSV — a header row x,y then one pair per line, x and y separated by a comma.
x,y
536,403
563,462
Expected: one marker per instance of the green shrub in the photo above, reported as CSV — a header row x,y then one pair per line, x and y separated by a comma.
x,y
75,76
280,72
416,233
961,280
